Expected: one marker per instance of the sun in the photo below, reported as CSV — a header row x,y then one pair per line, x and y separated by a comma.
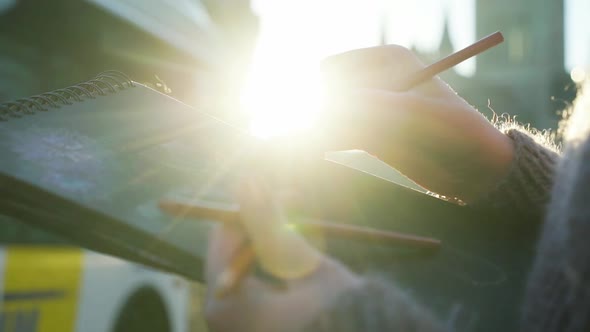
x,y
283,90
280,97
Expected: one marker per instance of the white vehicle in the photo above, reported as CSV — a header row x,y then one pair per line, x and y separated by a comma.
x,y
49,286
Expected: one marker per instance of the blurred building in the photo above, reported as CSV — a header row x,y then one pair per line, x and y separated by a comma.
x,y
525,75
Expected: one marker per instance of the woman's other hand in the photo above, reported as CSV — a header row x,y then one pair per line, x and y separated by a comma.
x,y
309,281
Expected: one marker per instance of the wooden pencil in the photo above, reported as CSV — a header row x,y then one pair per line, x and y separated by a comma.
x,y
230,279
230,214
423,75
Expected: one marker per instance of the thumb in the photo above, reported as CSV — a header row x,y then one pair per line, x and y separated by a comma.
x,y
281,251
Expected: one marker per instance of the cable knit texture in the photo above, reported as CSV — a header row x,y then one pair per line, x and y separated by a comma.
x,y
525,192
380,306
558,295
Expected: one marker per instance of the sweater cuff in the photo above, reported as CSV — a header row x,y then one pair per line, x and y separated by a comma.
x,y
375,305
526,190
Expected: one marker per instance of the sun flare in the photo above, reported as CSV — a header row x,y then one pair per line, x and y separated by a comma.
x,y
280,101
283,94
283,90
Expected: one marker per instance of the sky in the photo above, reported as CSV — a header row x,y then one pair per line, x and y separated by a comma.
x,y
330,26
577,33
283,89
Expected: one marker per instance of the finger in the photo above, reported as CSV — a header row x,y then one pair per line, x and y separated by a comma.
x,y
402,128
374,109
367,99
364,118
224,243
413,117
379,67
280,251
374,67
371,57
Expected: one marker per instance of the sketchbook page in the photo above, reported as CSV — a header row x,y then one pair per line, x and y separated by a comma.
x,y
121,153
364,162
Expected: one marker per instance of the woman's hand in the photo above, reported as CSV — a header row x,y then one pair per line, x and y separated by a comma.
x,y
429,133
310,281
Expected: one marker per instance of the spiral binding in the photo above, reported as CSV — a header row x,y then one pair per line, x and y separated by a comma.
x,y
104,83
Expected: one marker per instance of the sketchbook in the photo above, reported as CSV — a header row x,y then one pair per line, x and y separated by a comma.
x,y
90,162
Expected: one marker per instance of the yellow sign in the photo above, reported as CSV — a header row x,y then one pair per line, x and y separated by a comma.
x,y
41,286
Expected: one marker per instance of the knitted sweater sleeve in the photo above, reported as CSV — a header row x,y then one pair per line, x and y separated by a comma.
x,y
380,306
526,190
